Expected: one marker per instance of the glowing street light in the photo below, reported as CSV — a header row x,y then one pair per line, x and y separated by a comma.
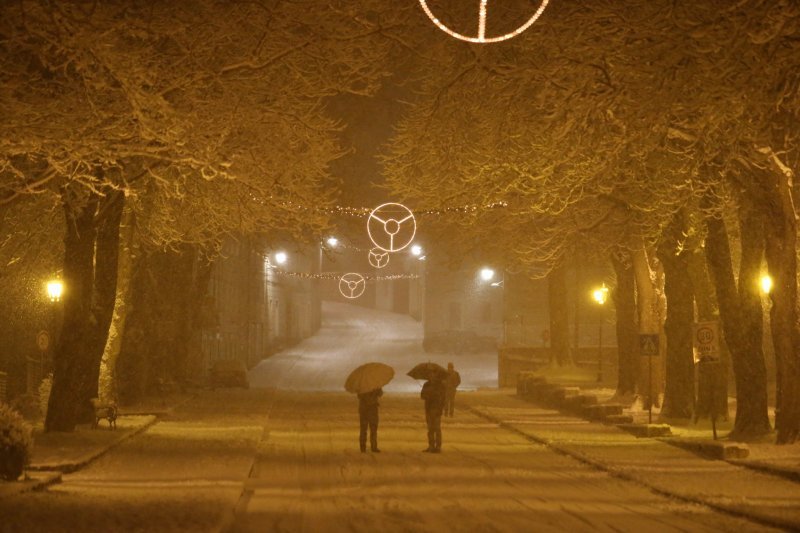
x,y
766,284
332,242
55,288
416,250
487,274
281,258
600,296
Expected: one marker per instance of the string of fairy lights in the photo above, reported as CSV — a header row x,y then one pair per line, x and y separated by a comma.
x,y
352,211
338,275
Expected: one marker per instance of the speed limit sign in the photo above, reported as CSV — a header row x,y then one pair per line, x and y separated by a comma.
x,y
43,340
706,341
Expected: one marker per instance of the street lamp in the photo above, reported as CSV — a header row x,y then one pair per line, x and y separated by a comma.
x,y
600,296
487,274
416,250
766,284
332,241
281,258
55,288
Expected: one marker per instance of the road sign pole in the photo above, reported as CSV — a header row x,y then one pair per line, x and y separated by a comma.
x,y
649,390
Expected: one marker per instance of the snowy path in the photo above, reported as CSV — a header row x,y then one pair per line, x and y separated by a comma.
x,y
311,477
351,335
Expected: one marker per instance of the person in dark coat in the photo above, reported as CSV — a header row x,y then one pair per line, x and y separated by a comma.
x,y
433,392
451,383
368,414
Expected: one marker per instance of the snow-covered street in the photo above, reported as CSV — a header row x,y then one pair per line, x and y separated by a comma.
x,y
284,457
352,335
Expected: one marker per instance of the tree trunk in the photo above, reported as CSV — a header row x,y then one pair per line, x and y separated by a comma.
x,y
679,389
71,361
624,296
90,270
108,364
747,359
106,260
559,316
781,253
649,308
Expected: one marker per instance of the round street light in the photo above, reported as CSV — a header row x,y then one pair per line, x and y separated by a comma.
x,y
487,274
766,284
600,295
281,258
332,242
416,250
55,288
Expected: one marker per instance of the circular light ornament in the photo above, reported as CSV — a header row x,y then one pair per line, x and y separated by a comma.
x,y
378,258
482,15
391,227
352,285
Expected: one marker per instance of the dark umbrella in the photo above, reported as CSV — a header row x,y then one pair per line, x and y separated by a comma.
x,y
428,371
368,377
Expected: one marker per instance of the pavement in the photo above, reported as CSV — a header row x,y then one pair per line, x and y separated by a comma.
x,y
770,496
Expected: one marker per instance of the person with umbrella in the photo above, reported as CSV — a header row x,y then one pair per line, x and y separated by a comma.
x,y
367,382
368,404
433,392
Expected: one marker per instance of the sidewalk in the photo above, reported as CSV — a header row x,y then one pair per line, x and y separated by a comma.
x,y
55,454
766,499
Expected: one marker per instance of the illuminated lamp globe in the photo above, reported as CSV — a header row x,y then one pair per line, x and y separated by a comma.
x,y
487,274
332,242
416,250
55,289
281,258
600,295
766,284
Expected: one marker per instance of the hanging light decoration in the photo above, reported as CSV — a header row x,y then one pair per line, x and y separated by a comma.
x,y
482,17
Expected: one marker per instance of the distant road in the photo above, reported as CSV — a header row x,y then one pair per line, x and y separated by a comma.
x,y
352,335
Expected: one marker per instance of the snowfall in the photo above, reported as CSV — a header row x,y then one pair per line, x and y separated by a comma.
x,y
284,456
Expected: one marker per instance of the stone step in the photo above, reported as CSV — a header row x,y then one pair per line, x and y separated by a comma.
x,y
713,449
647,430
601,410
618,419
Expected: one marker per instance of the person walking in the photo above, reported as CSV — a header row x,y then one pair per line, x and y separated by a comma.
x,y
433,392
368,415
451,383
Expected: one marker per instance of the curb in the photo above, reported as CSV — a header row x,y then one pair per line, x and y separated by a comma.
x,y
72,466
617,473
792,474
37,482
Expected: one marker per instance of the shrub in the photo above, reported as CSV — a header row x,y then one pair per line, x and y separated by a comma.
x,y
15,443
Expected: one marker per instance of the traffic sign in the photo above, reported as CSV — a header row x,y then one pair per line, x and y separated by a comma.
x,y
706,341
648,345
43,340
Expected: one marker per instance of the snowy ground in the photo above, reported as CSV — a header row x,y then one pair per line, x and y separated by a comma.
x,y
352,335
284,457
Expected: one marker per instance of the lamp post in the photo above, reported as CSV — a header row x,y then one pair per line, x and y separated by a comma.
x,y
600,296
45,340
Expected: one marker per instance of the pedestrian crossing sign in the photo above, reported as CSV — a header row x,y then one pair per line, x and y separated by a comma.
x,y
648,345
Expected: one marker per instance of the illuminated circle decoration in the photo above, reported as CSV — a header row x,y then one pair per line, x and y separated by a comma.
x,y
352,285
482,15
391,227
378,258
